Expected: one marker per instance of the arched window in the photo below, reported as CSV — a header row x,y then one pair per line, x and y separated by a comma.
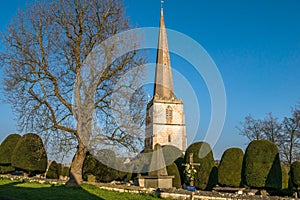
x,y
169,114
169,138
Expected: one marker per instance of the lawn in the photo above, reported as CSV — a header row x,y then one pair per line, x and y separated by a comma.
x,y
14,190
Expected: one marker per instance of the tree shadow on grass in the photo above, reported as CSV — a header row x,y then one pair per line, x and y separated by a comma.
x,y
35,191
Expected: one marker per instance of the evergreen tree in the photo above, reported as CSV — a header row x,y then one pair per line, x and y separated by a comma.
x,y
230,168
261,165
53,171
295,173
7,147
30,154
205,177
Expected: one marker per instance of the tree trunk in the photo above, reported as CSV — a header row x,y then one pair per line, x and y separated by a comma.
x,y
84,117
76,166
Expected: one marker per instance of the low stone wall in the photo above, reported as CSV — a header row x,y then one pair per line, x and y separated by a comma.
x,y
34,179
181,194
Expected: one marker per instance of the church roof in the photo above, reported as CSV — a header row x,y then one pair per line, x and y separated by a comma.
x,y
163,88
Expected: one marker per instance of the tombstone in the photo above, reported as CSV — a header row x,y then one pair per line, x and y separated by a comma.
x,y
158,175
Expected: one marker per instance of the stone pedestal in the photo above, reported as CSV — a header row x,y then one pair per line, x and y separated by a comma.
x,y
155,181
158,175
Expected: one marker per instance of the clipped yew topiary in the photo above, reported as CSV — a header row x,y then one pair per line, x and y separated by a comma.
x,y
141,163
295,173
261,165
60,167
30,154
230,168
53,171
205,178
285,177
171,154
102,172
89,165
7,147
179,163
6,169
286,188
173,171
65,171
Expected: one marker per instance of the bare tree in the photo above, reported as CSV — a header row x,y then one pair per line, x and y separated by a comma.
x,y
251,128
289,140
46,79
256,129
285,134
271,128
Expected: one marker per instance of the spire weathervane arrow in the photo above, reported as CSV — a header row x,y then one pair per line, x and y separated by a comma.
x,y
162,3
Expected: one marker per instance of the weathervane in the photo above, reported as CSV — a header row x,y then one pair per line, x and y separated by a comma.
x,y
162,3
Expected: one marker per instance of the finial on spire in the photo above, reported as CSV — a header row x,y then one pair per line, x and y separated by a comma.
x,y
162,3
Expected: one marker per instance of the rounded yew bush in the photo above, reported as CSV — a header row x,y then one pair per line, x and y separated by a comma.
x,y
285,177
30,154
230,168
173,171
261,165
7,147
53,171
102,172
171,154
89,166
65,171
295,173
205,177
6,169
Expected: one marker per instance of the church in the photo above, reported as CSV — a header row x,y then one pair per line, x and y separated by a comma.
x,y
165,122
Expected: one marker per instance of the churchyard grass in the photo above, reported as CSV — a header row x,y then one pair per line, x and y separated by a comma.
x,y
14,190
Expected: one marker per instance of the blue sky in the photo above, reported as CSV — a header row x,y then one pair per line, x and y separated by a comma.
x,y
255,45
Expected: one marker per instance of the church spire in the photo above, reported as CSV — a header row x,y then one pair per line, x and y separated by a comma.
x,y
163,88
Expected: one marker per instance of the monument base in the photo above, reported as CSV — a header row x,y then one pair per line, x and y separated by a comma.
x,y
154,181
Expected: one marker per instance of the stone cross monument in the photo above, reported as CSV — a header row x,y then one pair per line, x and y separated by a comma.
x,y
192,164
158,175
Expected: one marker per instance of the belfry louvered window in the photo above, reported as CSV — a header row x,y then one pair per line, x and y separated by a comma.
x,y
169,114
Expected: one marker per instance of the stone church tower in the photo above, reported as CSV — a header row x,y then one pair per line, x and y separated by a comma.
x,y
165,123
